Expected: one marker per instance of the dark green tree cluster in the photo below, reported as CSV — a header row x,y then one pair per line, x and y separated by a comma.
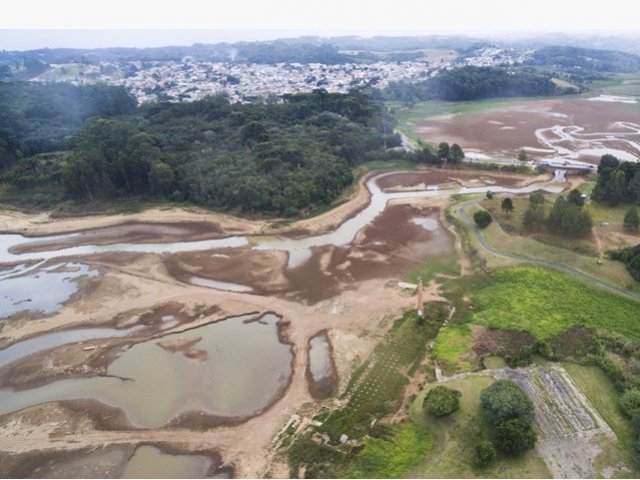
x,y
618,182
41,118
567,218
451,154
473,83
442,401
630,256
510,412
534,215
482,218
277,158
631,220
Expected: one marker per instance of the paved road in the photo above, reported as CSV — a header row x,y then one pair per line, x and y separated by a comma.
x,y
463,207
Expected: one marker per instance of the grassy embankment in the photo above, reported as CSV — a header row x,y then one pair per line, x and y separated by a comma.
x,y
494,235
619,84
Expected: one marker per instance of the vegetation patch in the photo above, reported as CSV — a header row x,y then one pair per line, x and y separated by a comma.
x,y
546,303
452,347
392,455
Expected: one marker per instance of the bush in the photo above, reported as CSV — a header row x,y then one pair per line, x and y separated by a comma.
x,y
515,436
632,220
482,218
630,403
442,401
485,453
505,400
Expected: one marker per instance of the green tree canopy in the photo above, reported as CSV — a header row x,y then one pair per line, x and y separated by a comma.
x,y
515,436
442,401
505,400
482,218
632,220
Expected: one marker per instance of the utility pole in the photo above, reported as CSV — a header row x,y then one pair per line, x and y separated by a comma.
x,y
420,298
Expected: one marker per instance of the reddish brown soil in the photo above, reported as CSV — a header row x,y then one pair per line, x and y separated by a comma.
x,y
484,130
445,175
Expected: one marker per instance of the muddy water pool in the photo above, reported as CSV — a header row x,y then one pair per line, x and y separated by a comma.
x,y
241,369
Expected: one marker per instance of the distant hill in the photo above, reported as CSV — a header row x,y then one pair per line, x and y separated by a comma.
x,y
588,59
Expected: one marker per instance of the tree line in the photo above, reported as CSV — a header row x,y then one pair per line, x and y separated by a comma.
x,y
280,157
474,83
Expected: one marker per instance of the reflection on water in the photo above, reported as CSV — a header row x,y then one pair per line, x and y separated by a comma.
x,y
40,289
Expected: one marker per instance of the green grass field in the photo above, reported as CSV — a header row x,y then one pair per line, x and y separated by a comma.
x,y
621,84
434,266
452,346
608,270
393,456
456,435
546,303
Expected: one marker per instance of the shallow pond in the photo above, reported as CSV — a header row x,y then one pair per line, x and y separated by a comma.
x,y
241,369
40,289
151,462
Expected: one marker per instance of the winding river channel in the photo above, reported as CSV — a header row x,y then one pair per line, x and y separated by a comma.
x,y
298,250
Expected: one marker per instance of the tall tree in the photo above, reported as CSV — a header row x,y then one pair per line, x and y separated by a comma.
x,y
507,205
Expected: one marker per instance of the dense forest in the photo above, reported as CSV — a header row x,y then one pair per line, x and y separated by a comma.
x,y
585,59
618,182
36,118
279,158
473,83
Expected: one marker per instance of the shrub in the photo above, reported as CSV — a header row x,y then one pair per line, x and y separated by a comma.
x,y
442,401
482,218
630,403
505,400
632,220
485,453
515,436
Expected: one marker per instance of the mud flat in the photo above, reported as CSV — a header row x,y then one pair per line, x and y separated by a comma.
x,y
247,368
116,461
321,369
608,125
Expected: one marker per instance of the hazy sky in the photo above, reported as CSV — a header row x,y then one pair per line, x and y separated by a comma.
x,y
234,20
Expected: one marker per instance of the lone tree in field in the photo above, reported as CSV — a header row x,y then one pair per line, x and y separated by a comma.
x,y
442,401
507,205
632,220
505,400
443,151
515,436
489,195
522,156
456,155
482,218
